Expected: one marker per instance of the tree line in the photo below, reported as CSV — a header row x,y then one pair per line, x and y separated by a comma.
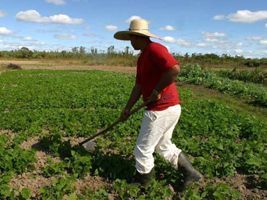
x,y
128,58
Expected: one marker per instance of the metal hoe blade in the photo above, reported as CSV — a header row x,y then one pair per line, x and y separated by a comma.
x,y
89,146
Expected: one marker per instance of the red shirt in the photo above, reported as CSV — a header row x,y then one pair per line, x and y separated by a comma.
x,y
151,65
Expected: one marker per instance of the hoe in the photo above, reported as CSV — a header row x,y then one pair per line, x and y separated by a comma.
x,y
89,144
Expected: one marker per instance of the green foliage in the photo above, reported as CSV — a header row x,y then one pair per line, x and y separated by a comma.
x,y
75,162
61,187
77,103
54,144
7,193
24,194
252,92
13,158
53,169
211,192
79,165
156,190
100,194
255,76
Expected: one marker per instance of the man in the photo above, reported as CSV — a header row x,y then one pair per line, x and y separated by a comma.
x,y
155,81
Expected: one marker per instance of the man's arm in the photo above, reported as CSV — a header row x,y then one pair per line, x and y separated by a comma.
x,y
167,78
135,95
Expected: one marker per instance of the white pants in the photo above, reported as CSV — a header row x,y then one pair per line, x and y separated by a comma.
x,y
155,134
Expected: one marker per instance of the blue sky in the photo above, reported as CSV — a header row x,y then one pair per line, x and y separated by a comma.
x,y
237,27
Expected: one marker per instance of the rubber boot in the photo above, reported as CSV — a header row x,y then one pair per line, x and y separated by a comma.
x,y
144,179
190,173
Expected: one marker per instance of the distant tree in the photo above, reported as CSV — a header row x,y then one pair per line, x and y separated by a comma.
x,y
110,50
75,50
186,57
24,52
24,49
127,51
93,50
82,50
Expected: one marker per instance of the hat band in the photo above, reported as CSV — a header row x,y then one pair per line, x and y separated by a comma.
x,y
132,29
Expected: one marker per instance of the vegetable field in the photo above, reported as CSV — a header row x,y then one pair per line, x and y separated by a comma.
x,y
44,114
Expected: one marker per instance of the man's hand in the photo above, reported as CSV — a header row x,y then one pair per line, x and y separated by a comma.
x,y
125,114
155,96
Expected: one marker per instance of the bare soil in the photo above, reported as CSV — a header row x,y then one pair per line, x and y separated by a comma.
x,y
39,64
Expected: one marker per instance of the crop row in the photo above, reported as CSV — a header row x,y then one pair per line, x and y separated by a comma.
x,y
255,76
255,93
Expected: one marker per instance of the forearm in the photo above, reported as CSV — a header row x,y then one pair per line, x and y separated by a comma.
x,y
135,95
167,78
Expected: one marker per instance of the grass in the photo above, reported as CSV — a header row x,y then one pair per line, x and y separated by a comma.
x,y
200,92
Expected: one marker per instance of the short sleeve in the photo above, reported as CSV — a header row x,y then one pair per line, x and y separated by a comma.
x,y
161,57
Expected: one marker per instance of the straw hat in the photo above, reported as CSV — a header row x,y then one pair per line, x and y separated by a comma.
x,y
137,27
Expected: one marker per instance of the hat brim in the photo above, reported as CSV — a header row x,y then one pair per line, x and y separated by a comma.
x,y
125,35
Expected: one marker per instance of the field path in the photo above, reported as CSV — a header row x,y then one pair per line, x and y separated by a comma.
x,y
123,69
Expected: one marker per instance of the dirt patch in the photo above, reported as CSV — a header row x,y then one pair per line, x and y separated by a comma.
x,y
130,70
10,135
90,182
19,62
74,140
13,66
242,183
27,144
31,181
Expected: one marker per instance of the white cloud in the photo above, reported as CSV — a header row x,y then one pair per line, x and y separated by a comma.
x,y
132,18
201,44
247,16
238,51
169,39
182,42
264,42
219,17
5,31
211,40
27,38
65,37
254,38
214,36
65,19
111,28
33,44
56,2
168,28
34,16
2,13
